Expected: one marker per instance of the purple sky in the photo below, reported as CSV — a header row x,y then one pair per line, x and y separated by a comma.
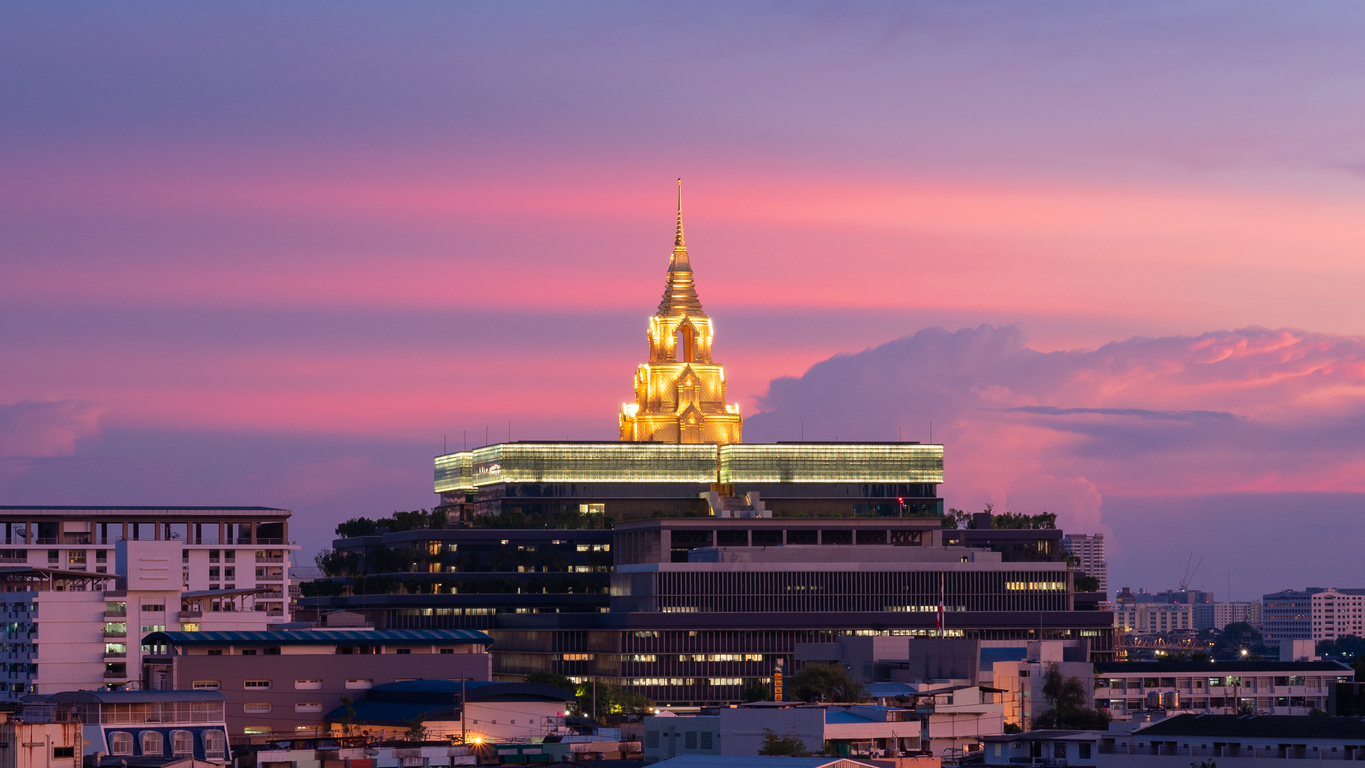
x,y
265,254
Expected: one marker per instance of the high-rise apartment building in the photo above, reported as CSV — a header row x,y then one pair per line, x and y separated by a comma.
x,y
85,584
1219,615
1288,615
1338,612
1089,549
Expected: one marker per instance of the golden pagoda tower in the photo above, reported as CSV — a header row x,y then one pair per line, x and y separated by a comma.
x,y
680,392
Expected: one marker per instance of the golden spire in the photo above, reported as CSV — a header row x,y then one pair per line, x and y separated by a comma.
x,y
678,241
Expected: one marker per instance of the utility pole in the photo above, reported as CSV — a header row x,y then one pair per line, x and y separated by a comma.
x,y
463,711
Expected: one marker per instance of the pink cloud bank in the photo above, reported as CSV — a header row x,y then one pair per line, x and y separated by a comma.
x,y
1223,412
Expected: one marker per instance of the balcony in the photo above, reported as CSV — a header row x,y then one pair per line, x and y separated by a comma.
x,y
189,615
108,675
115,615
115,633
115,655
269,558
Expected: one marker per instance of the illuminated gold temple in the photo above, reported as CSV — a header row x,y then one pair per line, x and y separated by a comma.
x,y
680,392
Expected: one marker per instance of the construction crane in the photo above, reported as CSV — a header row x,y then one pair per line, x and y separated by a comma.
x,y
1185,582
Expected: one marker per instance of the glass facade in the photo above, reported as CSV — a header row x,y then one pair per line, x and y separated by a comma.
x,y
625,462
831,463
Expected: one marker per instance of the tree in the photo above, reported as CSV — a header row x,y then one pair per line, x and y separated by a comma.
x,y
417,728
1346,646
1238,636
1087,583
755,691
825,682
786,746
1065,698
613,700
349,704
551,678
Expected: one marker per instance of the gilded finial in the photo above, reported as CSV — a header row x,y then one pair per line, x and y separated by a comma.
x,y
678,241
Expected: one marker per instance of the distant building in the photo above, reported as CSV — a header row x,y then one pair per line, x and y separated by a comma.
x,y
1153,618
1337,612
1216,616
1262,687
1089,547
1288,615
148,727
477,710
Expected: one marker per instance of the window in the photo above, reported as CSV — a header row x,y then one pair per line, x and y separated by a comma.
x,y
152,744
256,707
1059,750
248,651
120,743
60,752
1085,750
706,740
447,650
229,555
652,739
360,683
213,573
308,706
213,555
229,574
214,652
182,743
254,729
256,685
690,740
307,685
207,685
214,741
403,651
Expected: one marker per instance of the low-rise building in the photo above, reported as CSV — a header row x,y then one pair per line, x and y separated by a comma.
x,y
1252,687
148,727
853,729
35,738
478,710
285,681
1240,741
1048,747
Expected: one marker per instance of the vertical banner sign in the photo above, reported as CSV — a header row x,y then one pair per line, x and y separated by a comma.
x,y
777,682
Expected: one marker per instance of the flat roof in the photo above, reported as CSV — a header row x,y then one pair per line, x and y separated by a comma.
x,y
1257,726
321,637
55,511
133,697
1218,667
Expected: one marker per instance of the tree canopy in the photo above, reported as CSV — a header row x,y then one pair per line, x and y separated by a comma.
x,y
398,521
1065,698
825,682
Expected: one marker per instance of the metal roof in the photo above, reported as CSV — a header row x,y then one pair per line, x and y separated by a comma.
x,y
321,637
1257,726
133,697
756,761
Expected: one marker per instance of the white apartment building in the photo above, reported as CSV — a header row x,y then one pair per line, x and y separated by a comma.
x,y
1338,612
1154,618
1235,613
84,585
1089,548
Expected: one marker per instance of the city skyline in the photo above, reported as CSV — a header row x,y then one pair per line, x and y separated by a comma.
x,y
1121,292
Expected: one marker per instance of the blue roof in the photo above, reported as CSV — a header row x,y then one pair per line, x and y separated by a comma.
x,y
879,690
840,717
391,712
322,637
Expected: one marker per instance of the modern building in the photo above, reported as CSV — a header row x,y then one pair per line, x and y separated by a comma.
x,y
1337,612
1154,618
1255,687
82,629
1217,616
286,681
148,727
1088,548
1288,615
1021,681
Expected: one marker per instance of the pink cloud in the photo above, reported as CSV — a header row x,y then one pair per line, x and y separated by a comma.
x,y
1224,412
35,429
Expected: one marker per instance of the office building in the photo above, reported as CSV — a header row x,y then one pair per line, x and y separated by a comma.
x,y
282,681
1288,615
1336,613
1088,548
1217,616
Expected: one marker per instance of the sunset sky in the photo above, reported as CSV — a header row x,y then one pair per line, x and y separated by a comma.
x,y
281,254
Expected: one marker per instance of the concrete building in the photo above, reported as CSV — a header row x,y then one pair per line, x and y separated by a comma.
x,y
1153,618
1048,747
1021,681
39,738
148,727
474,711
853,730
286,681
1217,616
1258,687
1337,612
1089,549
1288,615
1240,742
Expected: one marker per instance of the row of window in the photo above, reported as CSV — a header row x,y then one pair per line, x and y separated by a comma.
x,y
262,708
265,685
182,743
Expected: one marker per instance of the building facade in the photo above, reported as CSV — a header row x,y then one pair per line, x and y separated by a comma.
x,y
148,727
1288,615
1254,687
286,681
1217,616
1337,612
1088,548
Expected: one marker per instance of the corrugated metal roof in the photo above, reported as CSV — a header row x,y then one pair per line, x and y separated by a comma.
x,y
1215,668
1258,726
321,637
755,761
391,712
134,697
